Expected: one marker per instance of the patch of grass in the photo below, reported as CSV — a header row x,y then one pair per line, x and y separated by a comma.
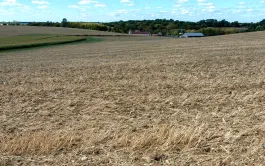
x,y
29,41
92,40
38,143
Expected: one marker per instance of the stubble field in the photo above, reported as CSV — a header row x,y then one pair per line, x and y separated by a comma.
x,y
135,102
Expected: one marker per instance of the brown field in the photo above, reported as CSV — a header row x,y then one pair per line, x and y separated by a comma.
x,y
25,30
135,102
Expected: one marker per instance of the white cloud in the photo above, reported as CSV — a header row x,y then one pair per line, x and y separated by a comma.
x,y
206,4
236,11
121,11
26,9
7,12
200,1
174,13
125,1
178,5
9,3
117,13
83,15
130,4
12,8
85,2
100,5
43,7
182,1
73,6
40,2
250,10
184,11
242,3
208,7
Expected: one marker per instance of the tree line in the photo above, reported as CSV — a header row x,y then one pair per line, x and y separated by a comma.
x,y
209,27
65,23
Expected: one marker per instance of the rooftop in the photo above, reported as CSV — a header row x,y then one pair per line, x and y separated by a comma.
x,y
140,32
193,34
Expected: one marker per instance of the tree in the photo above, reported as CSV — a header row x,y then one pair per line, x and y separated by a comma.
x,y
235,24
262,22
64,22
224,23
259,28
171,26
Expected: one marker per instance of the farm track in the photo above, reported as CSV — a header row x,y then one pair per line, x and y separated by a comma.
x,y
133,102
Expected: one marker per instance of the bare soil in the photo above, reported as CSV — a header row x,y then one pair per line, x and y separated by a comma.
x,y
135,102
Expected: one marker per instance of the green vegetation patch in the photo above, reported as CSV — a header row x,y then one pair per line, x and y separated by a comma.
x,y
16,42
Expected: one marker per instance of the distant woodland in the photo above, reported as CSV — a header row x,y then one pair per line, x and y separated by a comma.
x,y
209,27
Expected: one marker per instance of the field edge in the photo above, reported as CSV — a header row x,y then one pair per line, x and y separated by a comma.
x,y
35,45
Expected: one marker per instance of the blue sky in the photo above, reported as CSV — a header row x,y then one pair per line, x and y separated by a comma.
x,y
115,10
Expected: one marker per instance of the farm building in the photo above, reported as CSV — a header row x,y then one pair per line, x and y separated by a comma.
x,y
137,32
24,23
187,35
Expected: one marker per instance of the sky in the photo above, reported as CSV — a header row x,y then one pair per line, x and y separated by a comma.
x,y
116,10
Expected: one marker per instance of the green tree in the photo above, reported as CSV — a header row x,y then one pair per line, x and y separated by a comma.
x,y
259,28
64,22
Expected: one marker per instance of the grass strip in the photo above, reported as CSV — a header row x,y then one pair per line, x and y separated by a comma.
x,y
20,46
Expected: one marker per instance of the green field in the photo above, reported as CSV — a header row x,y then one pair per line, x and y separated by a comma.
x,y
15,42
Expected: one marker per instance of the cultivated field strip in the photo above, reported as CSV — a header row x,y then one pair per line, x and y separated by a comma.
x,y
133,102
25,30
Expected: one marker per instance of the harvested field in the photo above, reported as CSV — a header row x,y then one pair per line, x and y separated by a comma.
x,y
25,30
135,102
